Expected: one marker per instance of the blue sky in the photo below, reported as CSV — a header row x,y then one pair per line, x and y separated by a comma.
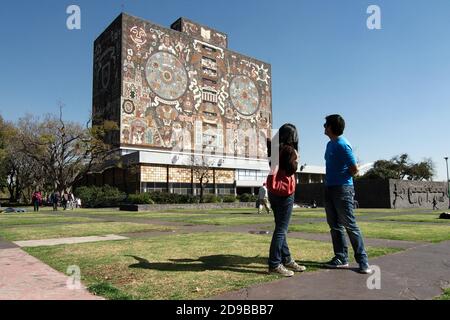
x,y
391,85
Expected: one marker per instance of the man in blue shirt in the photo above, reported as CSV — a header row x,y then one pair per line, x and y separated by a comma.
x,y
341,166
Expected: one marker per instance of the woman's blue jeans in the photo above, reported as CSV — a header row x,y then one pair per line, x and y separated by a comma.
x,y
282,211
340,218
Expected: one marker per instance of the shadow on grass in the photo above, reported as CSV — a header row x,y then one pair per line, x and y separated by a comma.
x,y
219,262
312,265
231,263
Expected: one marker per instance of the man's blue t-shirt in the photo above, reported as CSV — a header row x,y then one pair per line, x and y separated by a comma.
x,y
339,157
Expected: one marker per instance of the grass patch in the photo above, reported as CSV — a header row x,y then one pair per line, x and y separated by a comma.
x,y
107,290
201,218
391,211
221,219
184,266
445,295
308,214
35,232
394,231
32,218
415,218
160,216
98,211
215,211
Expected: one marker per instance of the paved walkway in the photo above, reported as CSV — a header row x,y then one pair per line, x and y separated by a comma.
x,y
418,273
23,277
72,240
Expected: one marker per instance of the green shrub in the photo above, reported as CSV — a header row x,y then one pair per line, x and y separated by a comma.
x,y
172,198
100,197
229,198
247,197
140,198
159,197
211,198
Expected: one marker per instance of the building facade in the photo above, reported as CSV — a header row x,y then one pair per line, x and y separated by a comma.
x,y
182,102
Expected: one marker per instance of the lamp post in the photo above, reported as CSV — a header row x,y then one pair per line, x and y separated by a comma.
x,y
448,181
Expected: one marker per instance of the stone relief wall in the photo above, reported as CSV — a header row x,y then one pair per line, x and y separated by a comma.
x,y
385,194
180,93
415,194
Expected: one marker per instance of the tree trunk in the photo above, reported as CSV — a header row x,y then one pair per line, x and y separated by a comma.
x,y
201,190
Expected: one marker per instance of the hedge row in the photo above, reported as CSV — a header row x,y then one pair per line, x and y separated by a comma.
x,y
107,196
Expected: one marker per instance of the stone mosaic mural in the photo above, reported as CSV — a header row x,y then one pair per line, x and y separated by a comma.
x,y
107,79
187,90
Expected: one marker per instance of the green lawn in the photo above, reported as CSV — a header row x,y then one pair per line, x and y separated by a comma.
x,y
393,231
415,218
391,211
445,295
34,232
210,219
37,218
183,266
222,218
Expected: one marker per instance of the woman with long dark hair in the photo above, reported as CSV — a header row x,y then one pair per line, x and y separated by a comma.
x,y
281,184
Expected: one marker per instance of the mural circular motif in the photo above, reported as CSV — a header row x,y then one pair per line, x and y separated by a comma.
x,y
128,106
166,76
244,95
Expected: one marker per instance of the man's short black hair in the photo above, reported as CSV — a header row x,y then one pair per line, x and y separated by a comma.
x,y
336,124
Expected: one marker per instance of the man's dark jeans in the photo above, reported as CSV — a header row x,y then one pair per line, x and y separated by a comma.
x,y
282,211
36,205
340,217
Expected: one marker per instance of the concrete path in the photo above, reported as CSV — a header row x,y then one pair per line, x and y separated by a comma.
x,y
418,273
6,244
370,242
23,277
73,240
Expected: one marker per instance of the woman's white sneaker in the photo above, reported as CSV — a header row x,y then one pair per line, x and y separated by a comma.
x,y
295,266
282,271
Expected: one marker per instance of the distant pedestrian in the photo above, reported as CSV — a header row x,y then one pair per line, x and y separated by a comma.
x,y
54,198
263,199
36,198
65,200
78,203
339,197
435,204
71,201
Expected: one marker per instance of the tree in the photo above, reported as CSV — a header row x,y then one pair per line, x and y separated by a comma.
x,y
50,154
2,154
202,172
421,171
401,167
18,172
65,150
3,175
